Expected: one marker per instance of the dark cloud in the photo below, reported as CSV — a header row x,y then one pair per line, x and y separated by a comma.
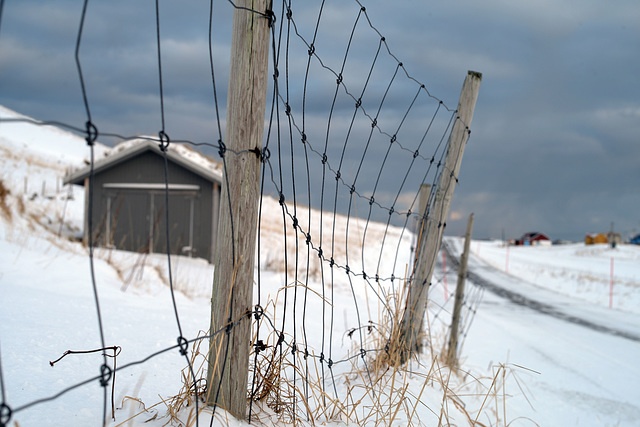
x,y
554,143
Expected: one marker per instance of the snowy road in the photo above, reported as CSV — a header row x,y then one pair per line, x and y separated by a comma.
x,y
546,302
586,358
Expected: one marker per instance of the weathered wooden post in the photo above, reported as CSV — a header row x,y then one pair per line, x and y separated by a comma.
x,y
433,227
423,202
423,205
452,356
231,301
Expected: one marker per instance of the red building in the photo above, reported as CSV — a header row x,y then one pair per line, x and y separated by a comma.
x,y
533,239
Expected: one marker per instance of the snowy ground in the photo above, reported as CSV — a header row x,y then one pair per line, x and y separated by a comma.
x,y
577,270
582,376
48,306
553,372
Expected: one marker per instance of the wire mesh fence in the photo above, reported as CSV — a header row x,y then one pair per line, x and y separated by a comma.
x,y
351,135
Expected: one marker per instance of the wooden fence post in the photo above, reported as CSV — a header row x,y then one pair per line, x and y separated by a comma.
x,y
231,302
423,201
423,205
452,357
433,228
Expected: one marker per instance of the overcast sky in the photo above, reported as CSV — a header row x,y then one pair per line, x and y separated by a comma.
x,y
555,143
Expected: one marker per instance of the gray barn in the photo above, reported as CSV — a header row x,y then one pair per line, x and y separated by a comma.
x,y
129,199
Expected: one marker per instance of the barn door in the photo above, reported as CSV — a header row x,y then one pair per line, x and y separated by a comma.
x,y
127,221
181,222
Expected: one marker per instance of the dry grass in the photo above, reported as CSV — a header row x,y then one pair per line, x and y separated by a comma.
x,y
374,390
4,207
296,387
292,388
30,158
289,388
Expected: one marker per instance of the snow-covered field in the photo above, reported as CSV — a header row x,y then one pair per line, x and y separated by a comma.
x,y
585,272
551,372
48,305
578,368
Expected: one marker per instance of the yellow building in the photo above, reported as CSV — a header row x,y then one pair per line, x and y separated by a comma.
x,y
595,238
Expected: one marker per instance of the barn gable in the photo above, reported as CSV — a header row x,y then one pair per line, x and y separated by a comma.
x,y
129,211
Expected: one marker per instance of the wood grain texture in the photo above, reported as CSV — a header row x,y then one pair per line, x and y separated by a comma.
x,y
237,227
432,229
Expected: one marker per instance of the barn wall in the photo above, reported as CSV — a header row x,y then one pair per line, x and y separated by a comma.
x,y
132,208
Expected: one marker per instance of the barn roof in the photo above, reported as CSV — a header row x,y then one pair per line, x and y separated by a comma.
x,y
177,153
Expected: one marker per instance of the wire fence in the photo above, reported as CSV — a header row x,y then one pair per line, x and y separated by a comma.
x,y
350,139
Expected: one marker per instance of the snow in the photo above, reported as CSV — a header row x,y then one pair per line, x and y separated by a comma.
x,y
582,376
47,143
552,371
578,270
181,149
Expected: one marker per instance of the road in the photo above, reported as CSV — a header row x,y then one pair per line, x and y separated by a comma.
x,y
510,288
568,363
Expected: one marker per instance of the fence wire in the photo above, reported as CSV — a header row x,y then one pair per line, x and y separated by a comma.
x,y
349,141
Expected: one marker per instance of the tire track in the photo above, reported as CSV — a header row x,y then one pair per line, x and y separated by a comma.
x,y
541,307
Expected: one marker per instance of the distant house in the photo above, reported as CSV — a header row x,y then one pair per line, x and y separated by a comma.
x,y
534,239
129,199
595,238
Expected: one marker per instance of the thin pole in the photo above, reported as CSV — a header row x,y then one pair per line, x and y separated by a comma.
x,y
444,276
611,286
452,357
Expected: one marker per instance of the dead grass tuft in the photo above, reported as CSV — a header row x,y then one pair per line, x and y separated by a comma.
x,y
4,207
294,385
290,387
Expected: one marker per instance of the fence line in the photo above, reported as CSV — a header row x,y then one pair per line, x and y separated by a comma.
x,y
310,171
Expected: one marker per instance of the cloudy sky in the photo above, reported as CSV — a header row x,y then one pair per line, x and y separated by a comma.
x,y
555,143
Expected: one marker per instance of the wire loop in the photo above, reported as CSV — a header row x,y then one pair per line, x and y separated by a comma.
x,y
164,141
92,133
105,374
5,414
184,345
